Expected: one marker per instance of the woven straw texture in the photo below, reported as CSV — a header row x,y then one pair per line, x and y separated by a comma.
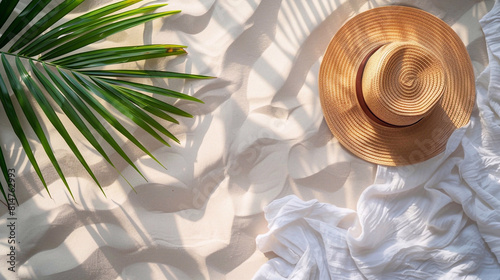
x,y
394,84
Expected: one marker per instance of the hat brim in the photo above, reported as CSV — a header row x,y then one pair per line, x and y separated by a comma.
x,y
372,140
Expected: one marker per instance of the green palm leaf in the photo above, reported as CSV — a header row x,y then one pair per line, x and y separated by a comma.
x,y
119,55
38,74
33,8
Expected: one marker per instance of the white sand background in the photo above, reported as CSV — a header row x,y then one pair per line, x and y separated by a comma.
x,y
259,136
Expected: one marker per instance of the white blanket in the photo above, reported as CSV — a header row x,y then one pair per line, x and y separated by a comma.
x,y
436,220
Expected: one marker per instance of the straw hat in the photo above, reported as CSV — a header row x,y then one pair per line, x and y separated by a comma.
x,y
394,83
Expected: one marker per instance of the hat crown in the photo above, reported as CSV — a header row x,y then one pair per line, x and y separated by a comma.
x,y
402,82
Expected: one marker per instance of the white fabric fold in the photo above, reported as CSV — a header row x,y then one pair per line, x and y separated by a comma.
x,y
309,237
439,219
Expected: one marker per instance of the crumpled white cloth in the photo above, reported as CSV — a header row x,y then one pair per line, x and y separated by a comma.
x,y
436,220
